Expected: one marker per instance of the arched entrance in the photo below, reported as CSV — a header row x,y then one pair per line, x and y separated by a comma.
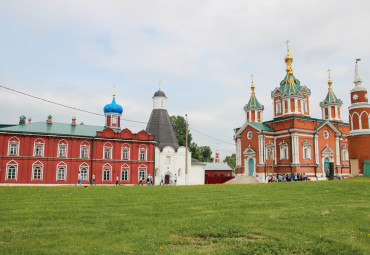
x,y
326,166
167,179
251,166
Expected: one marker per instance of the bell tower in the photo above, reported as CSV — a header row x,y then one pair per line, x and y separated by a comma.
x,y
253,110
331,107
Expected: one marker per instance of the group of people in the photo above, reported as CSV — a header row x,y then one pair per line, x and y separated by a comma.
x,y
287,177
149,180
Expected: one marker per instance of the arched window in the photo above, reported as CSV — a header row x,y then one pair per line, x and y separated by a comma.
x,y
13,146
84,149
125,152
12,170
355,121
364,120
38,147
62,149
142,172
345,156
306,150
107,150
84,171
107,172
283,150
61,171
125,173
142,153
37,171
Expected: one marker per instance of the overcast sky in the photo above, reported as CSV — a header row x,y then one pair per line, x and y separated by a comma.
x,y
204,52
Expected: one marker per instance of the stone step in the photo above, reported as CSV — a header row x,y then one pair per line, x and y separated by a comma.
x,y
242,179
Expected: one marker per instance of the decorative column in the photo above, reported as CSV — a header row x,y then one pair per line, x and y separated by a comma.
x,y
295,105
317,149
261,149
238,152
337,151
289,109
329,113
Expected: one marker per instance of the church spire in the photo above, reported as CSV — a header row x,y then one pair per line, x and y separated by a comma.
x,y
357,80
331,106
253,109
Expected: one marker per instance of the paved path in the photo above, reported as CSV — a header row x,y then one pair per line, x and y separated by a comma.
x,y
242,179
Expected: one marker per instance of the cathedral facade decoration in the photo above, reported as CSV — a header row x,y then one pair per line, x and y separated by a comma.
x,y
293,142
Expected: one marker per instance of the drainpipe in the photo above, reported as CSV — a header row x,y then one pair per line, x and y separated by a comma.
x,y
263,153
92,159
291,147
314,147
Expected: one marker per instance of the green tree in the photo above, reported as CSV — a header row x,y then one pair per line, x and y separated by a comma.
x,y
201,153
231,161
179,125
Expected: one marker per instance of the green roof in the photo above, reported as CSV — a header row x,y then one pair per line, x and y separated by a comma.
x,y
54,128
288,87
260,126
253,102
331,98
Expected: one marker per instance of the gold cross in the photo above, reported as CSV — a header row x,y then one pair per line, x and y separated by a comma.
x,y
114,90
252,77
287,44
159,84
329,70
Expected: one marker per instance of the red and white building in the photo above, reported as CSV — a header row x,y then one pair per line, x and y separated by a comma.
x,y
48,152
359,118
293,142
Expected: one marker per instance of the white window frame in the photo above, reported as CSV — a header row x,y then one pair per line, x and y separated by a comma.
x,y
306,147
84,166
63,144
305,105
143,156
125,147
61,165
125,168
14,164
109,168
249,135
13,141
39,165
278,107
326,134
142,172
38,143
107,147
284,146
85,146
345,155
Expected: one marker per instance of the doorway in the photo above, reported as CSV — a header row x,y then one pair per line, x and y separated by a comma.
x,y
251,166
326,166
167,179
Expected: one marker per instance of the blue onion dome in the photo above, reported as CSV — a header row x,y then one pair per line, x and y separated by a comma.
x,y
113,107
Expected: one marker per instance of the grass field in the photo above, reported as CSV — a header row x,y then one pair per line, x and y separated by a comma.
x,y
326,217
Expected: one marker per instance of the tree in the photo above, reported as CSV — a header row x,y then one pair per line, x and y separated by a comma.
x,y
231,161
201,153
179,125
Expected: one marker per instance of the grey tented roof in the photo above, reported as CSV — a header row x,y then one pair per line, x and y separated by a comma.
x,y
160,126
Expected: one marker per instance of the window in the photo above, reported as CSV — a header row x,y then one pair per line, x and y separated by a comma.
x,y
278,107
249,135
142,153
62,148
125,152
224,175
13,146
214,175
37,171
13,149
206,175
12,170
107,151
305,105
61,173
142,173
38,150
283,150
345,152
84,152
326,134
124,174
38,147
114,120
107,172
306,150
84,174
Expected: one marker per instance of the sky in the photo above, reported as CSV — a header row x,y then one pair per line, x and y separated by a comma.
x,y
204,52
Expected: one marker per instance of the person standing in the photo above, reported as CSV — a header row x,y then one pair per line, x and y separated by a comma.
x,y
93,179
117,180
140,181
161,183
175,179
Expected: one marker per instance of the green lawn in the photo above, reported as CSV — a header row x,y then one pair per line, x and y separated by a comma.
x,y
326,217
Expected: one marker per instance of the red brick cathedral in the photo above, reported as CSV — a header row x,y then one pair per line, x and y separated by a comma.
x,y
293,142
48,152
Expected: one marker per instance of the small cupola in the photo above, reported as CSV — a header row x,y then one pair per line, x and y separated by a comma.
x,y
113,112
253,110
331,107
29,120
50,119
159,99
22,120
73,121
